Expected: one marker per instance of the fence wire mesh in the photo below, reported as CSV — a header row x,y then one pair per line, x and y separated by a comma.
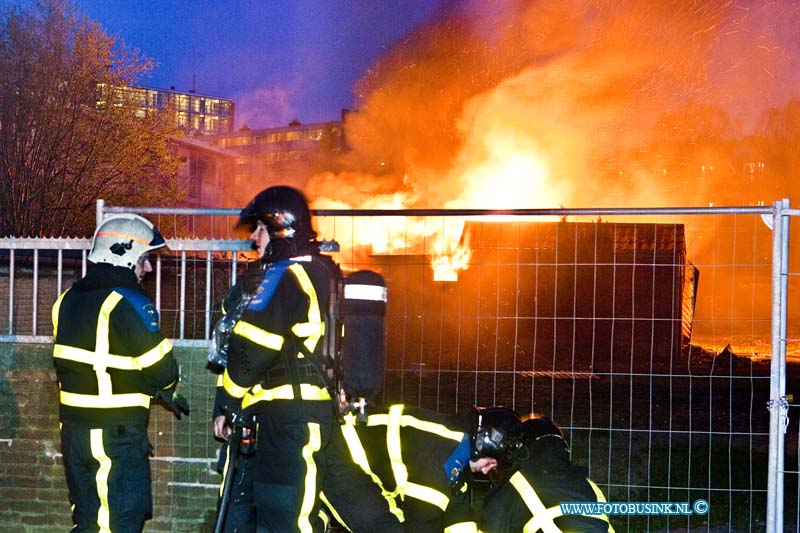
x,y
646,335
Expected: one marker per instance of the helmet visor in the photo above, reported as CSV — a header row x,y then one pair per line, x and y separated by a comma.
x,y
247,219
157,240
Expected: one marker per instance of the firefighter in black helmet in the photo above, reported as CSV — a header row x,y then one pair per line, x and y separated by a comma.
x,y
276,371
535,473
111,359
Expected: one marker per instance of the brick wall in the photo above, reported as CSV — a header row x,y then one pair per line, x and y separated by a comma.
x,y
32,485
47,293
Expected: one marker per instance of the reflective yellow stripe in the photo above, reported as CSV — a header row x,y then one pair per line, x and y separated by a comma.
x,y
600,498
462,527
597,492
101,360
423,425
79,355
360,458
314,315
354,444
231,387
432,427
393,422
109,401
309,329
333,512
258,335
378,420
54,313
542,517
219,380
154,354
228,469
122,362
284,392
101,479
325,517
310,492
394,449
427,494
101,343
104,388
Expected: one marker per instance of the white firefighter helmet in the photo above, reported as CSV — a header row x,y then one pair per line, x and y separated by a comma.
x,y
120,240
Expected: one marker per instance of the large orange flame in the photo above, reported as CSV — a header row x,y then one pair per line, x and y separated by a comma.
x,y
508,173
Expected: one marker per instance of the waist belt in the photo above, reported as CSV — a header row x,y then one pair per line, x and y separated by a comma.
x,y
281,375
284,392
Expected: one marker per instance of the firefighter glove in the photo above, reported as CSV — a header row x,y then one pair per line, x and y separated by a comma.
x,y
175,402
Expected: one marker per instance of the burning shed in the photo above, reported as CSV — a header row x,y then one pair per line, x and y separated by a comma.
x,y
549,296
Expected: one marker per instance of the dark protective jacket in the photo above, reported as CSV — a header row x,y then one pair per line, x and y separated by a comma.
x,y
272,381
245,287
527,500
265,355
420,459
110,355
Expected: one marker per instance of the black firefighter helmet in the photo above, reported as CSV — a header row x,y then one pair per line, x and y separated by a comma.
x,y
284,212
496,432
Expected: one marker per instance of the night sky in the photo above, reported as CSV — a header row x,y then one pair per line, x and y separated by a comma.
x,y
278,60
458,101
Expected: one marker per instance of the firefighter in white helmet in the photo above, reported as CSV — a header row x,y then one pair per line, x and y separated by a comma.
x,y
111,359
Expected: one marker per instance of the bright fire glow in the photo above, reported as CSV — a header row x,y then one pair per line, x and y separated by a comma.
x,y
500,169
447,263
511,174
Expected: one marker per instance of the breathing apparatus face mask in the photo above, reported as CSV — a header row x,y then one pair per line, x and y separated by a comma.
x,y
495,434
489,442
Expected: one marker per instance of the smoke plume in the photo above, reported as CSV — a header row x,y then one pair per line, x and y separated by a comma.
x,y
574,103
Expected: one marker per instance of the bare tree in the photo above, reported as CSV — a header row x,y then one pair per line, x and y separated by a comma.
x,y
71,127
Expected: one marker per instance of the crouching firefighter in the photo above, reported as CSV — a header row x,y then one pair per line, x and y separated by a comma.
x,y
417,457
111,359
277,376
535,475
421,461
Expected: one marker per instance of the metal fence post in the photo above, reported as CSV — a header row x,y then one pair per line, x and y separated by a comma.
x,y
777,405
11,269
98,210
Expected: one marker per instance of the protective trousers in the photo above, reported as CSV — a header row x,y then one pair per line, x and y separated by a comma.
x,y
108,477
360,504
289,464
240,514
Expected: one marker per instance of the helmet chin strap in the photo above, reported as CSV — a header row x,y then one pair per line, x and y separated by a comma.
x,y
279,249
